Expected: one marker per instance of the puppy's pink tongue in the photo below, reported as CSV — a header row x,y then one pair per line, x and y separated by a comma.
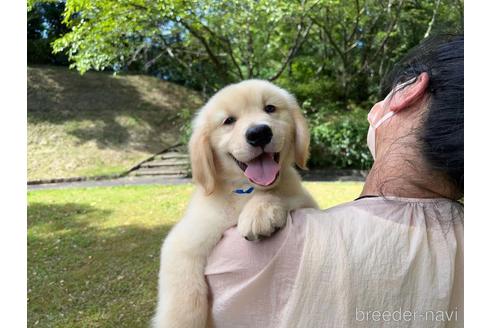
x,y
262,170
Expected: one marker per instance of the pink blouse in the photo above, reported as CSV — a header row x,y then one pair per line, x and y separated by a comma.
x,y
363,263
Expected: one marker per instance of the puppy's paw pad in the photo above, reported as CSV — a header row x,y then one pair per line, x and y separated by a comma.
x,y
261,221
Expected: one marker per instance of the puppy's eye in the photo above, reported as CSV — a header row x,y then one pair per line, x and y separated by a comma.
x,y
229,120
270,109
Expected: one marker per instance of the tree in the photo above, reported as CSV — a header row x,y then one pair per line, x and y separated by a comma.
x,y
44,25
331,54
207,42
356,43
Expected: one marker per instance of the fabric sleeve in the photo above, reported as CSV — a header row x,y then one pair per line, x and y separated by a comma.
x,y
250,282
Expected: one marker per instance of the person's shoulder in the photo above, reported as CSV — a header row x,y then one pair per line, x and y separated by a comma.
x,y
353,216
331,212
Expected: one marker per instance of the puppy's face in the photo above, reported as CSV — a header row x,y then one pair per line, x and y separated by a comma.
x,y
251,130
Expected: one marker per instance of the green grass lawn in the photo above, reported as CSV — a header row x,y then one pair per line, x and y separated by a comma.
x,y
93,253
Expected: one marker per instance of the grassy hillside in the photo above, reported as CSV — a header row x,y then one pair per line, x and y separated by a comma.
x,y
98,123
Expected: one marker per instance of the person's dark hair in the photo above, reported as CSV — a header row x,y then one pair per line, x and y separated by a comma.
x,y
442,132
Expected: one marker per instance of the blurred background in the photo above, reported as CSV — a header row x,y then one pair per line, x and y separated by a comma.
x,y
112,86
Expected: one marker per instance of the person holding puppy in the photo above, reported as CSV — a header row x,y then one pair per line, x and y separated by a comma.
x,y
391,258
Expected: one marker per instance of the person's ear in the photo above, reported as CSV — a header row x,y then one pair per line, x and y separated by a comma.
x,y
202,160
410,94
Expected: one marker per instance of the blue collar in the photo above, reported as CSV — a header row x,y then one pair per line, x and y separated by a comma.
x,y
244,191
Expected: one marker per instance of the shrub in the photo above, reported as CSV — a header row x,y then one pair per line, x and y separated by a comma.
x,y
39,53
340,141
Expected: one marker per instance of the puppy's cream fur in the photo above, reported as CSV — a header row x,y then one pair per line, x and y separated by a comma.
x,y
214,207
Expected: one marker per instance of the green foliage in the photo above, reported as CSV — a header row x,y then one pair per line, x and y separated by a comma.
x,y
44,25
340,142
38,51
329,53
202,43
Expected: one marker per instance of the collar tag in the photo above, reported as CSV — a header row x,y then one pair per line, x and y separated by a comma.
x,y
244,191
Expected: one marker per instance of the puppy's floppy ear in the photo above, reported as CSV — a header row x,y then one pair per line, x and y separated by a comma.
x,y
302,137
202,160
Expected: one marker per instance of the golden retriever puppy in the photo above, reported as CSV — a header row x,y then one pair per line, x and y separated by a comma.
x,y
245,142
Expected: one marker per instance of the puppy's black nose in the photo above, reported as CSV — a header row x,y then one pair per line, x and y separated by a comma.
x,y
259,135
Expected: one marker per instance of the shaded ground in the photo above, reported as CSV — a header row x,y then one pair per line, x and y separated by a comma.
x,y
126,181
93,253
98,123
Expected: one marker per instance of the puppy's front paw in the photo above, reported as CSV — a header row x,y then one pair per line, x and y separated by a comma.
x,y
261,219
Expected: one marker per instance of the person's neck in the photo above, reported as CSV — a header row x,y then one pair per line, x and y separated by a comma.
x,y
400,177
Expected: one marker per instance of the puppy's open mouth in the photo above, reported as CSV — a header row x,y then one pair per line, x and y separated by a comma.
x,y
262,170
